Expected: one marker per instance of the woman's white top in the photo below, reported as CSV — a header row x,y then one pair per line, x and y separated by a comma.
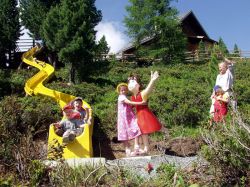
x,y
225,81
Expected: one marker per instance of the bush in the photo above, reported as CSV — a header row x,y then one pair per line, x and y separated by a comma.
x,y
37,172
90,92
106,112
18,79
177,99
12,82
6,182
166,176
87,175
5,88
228,151
24,117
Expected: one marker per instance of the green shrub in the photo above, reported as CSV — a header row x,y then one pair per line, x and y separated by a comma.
x,y
6,182
24,117
13,82
88,175
228,150
184,131
106,113
18,79
177,99
166,175
39,112
5,88
88,91
37,172
62,75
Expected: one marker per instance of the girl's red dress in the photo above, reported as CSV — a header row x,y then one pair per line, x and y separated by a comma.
x,y
220,111
147,121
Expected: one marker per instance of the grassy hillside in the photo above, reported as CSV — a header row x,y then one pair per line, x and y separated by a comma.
x,y
181,101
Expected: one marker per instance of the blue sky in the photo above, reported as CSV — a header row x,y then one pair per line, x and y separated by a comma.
x,y
227,19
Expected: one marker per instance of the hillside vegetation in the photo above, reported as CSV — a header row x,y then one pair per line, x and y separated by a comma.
x,y
181,101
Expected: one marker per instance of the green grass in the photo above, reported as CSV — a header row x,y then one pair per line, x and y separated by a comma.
x,y
184,131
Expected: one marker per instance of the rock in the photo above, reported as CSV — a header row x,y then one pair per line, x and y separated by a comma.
x,y
146,166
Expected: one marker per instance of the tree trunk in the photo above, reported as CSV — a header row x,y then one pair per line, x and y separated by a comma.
x,y
53,60
20,65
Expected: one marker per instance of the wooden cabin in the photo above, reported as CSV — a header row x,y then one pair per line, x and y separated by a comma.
x,y
194,31
191,27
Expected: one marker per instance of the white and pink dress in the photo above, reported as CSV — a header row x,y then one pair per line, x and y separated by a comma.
x,y
127,125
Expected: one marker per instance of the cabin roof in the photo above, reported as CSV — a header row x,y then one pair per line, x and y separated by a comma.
x,y
191,16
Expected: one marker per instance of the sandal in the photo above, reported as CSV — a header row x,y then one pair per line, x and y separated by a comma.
x,y
137,151
133,153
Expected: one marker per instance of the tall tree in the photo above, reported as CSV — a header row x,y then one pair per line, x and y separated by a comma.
x,y
213,64
236,52
9,28
223,47
33,13
69,30
155,19
102,47
202,51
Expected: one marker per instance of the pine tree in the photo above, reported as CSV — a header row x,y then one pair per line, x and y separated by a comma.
x,y
201,50
155,19
202,46
69,30
236,52
223,47
9,28
102,48
33,13
213,65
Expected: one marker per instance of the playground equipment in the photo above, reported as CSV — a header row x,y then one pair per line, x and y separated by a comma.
x,y
81,147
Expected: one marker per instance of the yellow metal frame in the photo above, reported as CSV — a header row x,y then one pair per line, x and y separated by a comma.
x,y
81,147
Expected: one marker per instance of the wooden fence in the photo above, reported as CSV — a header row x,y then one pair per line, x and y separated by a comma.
x,y
190,56
205,55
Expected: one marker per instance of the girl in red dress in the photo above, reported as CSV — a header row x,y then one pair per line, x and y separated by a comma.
x,y
220,105
147,121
